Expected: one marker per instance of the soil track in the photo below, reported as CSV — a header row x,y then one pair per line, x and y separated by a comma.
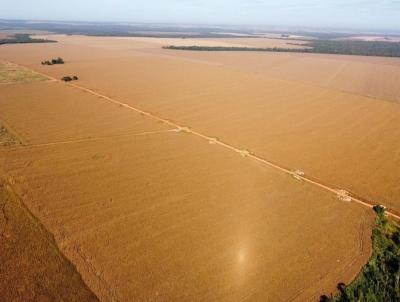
x,y
242,152
99,138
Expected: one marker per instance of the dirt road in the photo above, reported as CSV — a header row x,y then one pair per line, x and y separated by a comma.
x,y
210,139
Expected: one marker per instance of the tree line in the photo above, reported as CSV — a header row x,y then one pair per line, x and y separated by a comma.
x,y
23,38
379,280
340,47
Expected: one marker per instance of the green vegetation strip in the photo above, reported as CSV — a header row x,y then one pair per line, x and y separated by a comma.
x,y
23,38
361,48
379,280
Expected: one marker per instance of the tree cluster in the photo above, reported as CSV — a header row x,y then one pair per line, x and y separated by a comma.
x,y
53,61
69,79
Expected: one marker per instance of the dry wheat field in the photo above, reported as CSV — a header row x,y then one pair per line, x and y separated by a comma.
x,y
165,175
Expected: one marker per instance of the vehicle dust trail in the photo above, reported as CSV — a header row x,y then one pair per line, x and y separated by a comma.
x,y
346,196
75,141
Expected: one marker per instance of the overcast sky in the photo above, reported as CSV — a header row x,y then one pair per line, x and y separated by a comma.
x,y
369,14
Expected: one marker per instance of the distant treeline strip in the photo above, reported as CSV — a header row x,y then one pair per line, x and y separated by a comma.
x,y
23,38
360,48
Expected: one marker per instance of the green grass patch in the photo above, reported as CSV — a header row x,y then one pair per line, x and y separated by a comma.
x,y
11,74
7,139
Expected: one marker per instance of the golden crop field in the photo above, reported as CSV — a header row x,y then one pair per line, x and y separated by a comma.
x,y
178,176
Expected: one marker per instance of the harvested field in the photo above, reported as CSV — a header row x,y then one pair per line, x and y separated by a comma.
x,y
145,210
11,32
4,35
279,120
262,42
394,39
223,42
174,236
32,268
367,76
62,114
